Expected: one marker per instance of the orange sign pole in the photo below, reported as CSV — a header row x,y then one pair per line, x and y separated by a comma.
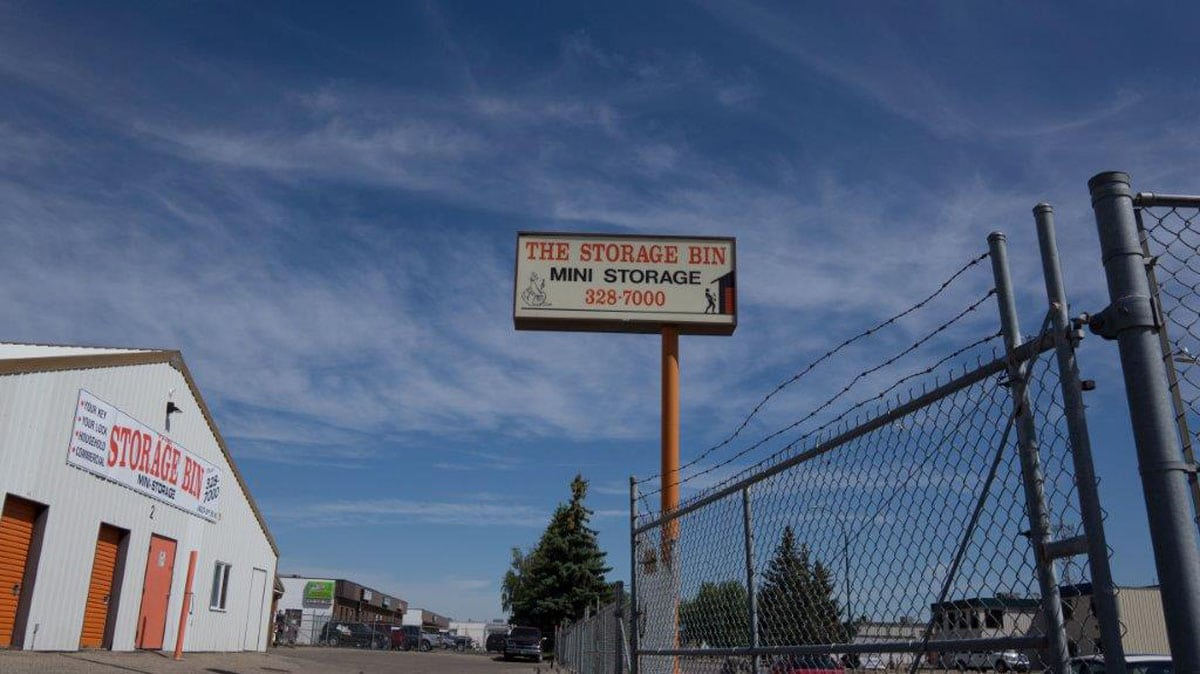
x,y
187,605
670,463
670,434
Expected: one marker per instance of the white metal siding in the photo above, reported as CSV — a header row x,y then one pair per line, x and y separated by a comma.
x,y
36,418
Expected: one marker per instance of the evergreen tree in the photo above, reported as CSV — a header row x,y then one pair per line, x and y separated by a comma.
x,y
717,616
512,589
563,574
796,604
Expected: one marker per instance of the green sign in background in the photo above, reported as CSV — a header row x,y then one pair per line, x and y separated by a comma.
x,y
318,593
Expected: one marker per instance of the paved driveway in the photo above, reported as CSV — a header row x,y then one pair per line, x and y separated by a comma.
x,y
276,661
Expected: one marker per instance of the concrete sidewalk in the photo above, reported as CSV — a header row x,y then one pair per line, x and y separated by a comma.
x,y
276,661
25,662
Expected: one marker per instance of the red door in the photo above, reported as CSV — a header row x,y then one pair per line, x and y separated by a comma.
x,y
156,593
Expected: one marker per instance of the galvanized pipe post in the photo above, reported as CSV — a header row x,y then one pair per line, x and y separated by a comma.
x,y
1103,590
1132,320
618,616
1031,469
752,593
633,572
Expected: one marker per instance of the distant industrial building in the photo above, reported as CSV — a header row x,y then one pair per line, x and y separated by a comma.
x,y
428,620
1143,625
1145,628
309,603
118,492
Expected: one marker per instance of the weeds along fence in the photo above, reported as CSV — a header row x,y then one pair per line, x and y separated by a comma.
x,y
941,520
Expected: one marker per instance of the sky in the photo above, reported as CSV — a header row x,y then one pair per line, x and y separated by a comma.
x,y
318,204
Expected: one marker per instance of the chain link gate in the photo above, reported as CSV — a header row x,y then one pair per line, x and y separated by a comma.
x,y
926,531
1149,246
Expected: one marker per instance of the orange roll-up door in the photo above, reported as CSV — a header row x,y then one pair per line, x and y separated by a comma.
x,y
104,570
16,533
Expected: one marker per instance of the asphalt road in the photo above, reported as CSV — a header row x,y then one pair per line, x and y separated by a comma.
x,y
276,661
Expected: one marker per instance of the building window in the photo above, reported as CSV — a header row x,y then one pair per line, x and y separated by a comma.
x,y
994,618
220,586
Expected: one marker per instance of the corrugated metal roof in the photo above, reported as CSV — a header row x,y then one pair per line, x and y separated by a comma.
x,y
15,350
82,358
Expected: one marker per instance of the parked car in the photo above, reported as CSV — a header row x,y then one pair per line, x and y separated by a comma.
x,y
1134,664
805,664
463,642
524,642
495,642
339,633
415,638
1001,661
873,661
397,639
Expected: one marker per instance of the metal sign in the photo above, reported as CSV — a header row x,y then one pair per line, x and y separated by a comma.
x,y
614,283
317,594
113,445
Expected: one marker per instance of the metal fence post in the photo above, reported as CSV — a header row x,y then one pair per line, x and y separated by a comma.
x,y
618,616
752,594
633,572
1031,470
1103,590
1132,320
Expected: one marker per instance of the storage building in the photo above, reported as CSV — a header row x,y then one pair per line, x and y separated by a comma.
x,y
113,475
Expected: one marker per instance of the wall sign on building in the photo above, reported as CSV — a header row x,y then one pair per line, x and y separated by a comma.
x,y
318,594
609,283
113,445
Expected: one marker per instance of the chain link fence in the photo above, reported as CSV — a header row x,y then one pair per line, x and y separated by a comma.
x,y
596,644
936,523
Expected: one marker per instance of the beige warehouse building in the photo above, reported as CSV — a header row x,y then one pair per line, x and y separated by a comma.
x,y
1141,616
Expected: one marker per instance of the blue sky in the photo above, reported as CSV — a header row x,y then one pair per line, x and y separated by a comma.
x,y
317,203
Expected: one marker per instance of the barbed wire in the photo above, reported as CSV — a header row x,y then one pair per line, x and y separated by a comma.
x,y
880,396
829,354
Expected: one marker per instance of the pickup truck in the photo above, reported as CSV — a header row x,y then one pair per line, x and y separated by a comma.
x,y
524,642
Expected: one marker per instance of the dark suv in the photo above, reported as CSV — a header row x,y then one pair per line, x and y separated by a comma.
x,y
495,642
524,642
338,633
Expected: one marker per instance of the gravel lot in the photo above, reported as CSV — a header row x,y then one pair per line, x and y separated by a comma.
x,y
277,661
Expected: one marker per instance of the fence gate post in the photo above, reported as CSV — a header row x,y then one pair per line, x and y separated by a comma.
x,y
1132,320
1103,591
752,594
1031,469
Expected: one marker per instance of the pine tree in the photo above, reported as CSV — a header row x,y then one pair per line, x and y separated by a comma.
x,y
717,616
563,574
796,604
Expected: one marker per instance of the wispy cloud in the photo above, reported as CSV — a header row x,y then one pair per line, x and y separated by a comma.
x,y
371,512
